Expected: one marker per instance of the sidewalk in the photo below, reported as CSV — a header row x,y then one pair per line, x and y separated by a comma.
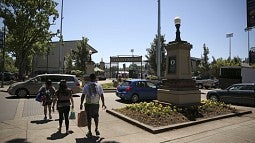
x,y
33,129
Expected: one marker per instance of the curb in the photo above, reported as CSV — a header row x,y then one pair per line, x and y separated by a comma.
x,y
155,130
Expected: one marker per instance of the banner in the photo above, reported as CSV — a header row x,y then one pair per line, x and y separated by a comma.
x,y
250,13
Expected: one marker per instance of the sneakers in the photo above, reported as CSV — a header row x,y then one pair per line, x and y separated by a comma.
x,y
50,117
45,118
89,134
97,132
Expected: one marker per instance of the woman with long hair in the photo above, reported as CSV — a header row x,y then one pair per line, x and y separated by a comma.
x,y
64,101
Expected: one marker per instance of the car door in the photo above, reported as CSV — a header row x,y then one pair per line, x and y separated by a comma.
x,y
35,84
246,95
231,94
152,90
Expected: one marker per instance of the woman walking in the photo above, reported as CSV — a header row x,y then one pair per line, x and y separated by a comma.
x,y
47,92
64,100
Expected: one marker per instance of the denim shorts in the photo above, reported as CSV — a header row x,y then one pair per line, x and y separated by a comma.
x,y
92,110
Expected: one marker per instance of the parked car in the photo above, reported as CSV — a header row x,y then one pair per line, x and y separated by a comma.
x,y
206,83
137,89
243,93
31,87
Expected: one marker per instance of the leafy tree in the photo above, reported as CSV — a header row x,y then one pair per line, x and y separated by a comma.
x,y
28,23
81,54
69,63
204,67
152,52
9,63
220,62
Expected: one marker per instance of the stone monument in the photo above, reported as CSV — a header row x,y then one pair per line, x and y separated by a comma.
x,y
178,87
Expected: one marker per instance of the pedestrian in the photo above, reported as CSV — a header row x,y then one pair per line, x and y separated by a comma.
x,y
48,92
93,92
64,99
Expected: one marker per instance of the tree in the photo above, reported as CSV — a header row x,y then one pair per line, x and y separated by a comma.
x,y
151,56
220,62
28,23
204,67
81,54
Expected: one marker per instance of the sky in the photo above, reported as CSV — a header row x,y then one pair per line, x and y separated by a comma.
x,y
114,27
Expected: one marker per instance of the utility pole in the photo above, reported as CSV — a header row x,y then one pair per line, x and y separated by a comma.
x,y
61,39
158,51
3,50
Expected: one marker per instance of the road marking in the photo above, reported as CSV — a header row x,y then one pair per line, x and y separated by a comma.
x,y
20,109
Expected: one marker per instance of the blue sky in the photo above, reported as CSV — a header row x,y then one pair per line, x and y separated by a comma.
x,y
114,27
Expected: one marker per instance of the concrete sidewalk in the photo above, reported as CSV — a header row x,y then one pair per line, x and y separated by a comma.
x,y
33,129
113,130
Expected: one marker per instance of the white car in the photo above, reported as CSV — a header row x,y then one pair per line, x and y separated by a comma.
x,y
31,86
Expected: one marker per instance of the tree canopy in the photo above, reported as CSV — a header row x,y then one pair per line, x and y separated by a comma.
x,y
151,56
28,23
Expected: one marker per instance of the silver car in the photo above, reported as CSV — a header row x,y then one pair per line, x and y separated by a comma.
x,y
31,87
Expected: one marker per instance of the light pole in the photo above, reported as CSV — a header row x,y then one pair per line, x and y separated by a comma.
x,y
61,38
248,29
177,22
158,51
229,35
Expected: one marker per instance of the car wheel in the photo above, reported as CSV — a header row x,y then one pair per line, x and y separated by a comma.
x,y
22,93
214,98
135,98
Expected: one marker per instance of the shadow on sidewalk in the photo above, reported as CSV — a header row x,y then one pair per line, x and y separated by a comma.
x,y
57,135
93,139
18,140
41,121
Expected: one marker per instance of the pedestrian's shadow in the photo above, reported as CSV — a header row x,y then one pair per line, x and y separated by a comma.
x,y
41,121
93,139
58,135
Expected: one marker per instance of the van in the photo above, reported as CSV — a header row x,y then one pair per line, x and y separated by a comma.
x,y
32,86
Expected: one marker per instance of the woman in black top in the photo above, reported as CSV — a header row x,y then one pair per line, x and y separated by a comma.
x,y
64,96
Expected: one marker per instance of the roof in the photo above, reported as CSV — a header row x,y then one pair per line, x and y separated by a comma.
x,y
73,43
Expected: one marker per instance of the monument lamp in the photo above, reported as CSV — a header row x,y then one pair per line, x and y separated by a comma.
x,y
90,53
177,22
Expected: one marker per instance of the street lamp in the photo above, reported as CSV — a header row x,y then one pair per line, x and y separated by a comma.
x,y
90,53
229,35
177,22
248,29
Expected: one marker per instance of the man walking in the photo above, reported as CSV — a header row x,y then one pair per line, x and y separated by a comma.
x,y
93,92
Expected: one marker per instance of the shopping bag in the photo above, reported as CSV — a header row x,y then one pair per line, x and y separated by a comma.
x,y
82,119
72,115
38,97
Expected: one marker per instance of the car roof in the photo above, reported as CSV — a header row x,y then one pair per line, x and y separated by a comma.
x,y
245,84
134,80
55,75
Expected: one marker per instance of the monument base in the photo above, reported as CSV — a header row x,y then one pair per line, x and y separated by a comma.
x,y
179,84
179,97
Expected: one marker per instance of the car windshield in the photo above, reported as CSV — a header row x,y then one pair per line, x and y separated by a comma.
x,y
125,83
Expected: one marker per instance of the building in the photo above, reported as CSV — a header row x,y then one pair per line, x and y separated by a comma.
x,y
53,62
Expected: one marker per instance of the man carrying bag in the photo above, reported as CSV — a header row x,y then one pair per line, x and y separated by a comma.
x,y
93,92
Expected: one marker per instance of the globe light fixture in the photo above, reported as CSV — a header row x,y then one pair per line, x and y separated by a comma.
x,y
177,22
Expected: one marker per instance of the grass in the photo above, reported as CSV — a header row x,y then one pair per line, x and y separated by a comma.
x,y
108,86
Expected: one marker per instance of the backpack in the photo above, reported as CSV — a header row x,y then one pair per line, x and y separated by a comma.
x,y
93,95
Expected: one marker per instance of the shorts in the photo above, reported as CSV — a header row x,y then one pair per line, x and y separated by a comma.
x,y
47,103
92,110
